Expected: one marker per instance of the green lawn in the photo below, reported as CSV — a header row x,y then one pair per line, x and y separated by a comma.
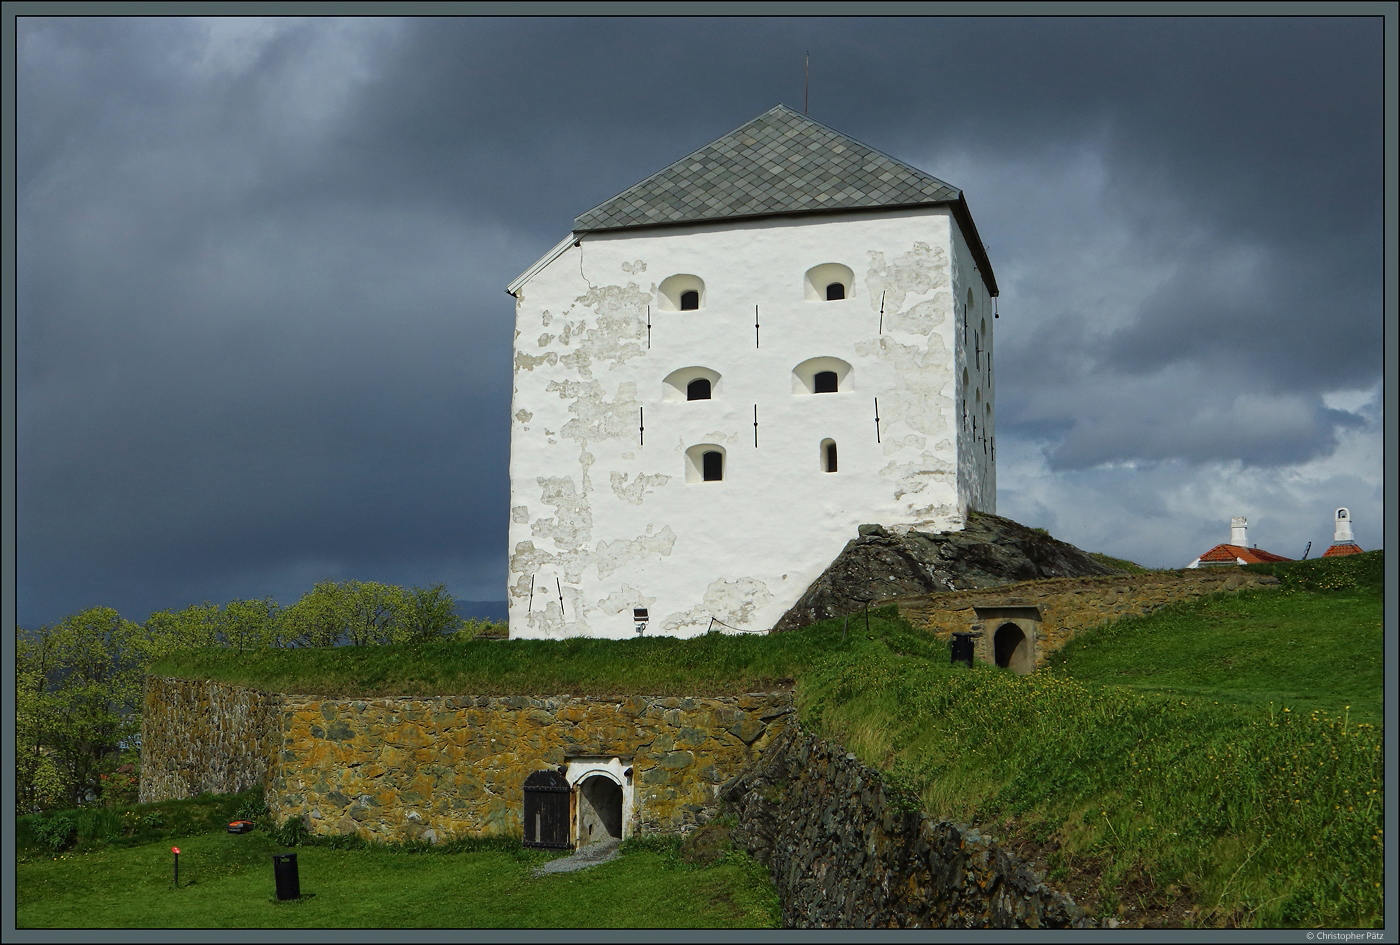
x,y
227,881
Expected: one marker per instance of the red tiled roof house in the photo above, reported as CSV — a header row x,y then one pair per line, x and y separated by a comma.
x,y
1236,551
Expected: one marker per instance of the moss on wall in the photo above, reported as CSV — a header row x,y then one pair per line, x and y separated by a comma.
x,y
410,768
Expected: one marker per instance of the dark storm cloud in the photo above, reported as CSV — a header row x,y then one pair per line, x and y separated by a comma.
x,y
263,338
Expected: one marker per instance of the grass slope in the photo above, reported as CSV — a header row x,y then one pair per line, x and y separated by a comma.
x,y
1217,763
1199,766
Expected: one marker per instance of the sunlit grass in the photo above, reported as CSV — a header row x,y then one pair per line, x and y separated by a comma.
x,y
227,882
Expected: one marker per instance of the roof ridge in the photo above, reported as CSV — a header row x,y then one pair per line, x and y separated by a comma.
x,y
760,168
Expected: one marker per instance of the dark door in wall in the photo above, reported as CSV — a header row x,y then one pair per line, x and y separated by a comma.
x,y
599,810
547,810
1007,642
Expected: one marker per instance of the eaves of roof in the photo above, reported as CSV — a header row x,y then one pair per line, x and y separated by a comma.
x,y
781,164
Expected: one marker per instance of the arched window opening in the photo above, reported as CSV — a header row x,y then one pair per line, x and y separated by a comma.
x,y
686,384
829,456
704,462
822,375
967,315
713,466
682,292
828,282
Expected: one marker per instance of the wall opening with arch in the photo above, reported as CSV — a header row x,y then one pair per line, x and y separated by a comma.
x,y
676,386
705,462
818,283
1008,637
822,375
674,293
603,798
828,455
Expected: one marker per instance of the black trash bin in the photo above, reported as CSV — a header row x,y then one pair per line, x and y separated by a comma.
x,y
284,868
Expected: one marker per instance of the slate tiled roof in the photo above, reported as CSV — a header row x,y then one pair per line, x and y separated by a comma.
x,y
781,162
1231,554
1342,548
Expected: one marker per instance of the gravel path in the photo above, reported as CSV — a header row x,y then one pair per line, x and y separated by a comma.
x,y
591,855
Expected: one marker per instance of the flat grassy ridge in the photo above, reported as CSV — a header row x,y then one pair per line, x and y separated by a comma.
x,y
713,664
1215,764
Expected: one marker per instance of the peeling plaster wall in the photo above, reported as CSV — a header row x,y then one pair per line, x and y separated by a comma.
x,y
603,519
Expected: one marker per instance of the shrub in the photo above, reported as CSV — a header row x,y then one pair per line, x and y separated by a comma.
x,y
55,832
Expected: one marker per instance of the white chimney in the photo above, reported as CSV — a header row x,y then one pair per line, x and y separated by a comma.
x,y
1239,531
1343,530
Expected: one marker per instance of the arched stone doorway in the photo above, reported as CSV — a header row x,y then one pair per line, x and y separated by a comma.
x,y
1007,637
1010,648
604,798
599,810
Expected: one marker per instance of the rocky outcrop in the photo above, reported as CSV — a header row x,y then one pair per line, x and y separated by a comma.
x,y
844,851
882,564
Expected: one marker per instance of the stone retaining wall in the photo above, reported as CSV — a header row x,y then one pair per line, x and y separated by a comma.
x,y
1069,605
416,768
199,735
844,853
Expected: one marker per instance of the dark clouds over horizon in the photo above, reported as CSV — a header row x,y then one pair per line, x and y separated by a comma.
x,y
263,338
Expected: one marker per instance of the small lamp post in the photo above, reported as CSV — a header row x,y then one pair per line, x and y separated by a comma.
x,y
176,851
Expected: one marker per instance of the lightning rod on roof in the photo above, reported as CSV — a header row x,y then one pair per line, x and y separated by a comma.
x,y
806,59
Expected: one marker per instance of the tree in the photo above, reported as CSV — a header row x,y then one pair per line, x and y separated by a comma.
x,y
320,618
79,689
248,624
374,611
427,614
39,782
167,631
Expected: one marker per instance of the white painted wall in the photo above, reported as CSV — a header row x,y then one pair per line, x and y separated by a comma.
x,y
609,523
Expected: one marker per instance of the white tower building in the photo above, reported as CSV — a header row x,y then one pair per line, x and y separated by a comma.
x,y
727,368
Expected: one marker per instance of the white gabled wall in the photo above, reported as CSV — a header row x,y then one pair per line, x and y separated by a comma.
x,y
608,522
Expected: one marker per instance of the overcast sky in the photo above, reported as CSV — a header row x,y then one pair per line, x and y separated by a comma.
x,y
263,337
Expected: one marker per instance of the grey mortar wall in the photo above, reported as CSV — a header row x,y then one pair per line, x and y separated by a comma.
x,y
200,735
844,853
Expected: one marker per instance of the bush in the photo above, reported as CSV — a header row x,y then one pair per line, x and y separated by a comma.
x,y
55,832
292,833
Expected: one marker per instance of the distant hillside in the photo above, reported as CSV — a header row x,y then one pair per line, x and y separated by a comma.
x,y
481,609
